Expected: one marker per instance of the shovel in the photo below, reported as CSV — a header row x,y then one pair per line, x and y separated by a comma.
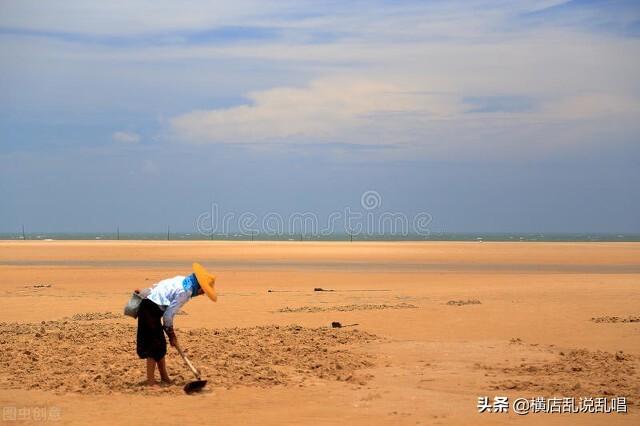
x,y
197,385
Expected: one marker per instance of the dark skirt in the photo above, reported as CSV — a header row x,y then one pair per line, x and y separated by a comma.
x,y
150,342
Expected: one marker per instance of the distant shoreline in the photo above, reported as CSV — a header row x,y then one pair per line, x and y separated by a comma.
x,y
184,236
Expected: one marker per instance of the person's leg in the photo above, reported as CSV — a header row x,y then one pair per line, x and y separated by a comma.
x,y
162,367
151,371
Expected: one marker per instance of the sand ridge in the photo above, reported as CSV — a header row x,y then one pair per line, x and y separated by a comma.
x,y
570,372
615,319
93,316
464,302
72,356
346,308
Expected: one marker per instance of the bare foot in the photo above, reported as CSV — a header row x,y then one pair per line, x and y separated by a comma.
x,y
166,382
151,383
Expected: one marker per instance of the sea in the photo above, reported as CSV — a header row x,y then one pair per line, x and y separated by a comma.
x,y
434,236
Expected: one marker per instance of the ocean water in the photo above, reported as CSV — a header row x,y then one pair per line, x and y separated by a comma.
x,y
435,236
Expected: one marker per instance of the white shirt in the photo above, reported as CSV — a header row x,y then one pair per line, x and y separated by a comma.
x,y
170,296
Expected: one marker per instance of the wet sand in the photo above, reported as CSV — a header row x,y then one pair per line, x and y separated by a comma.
x,y
438,325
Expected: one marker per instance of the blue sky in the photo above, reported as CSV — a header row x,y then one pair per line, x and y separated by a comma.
x,y
489,115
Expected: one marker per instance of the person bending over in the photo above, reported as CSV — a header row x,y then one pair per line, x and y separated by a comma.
x,y
156,312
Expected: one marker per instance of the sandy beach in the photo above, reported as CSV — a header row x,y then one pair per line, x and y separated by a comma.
x,y
439,324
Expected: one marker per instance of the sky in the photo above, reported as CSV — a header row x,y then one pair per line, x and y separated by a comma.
x,y
487,115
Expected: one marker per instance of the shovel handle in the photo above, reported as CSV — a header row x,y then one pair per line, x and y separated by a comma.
x,y
186,360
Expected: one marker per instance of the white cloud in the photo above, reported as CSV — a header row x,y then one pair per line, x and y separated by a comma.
x,y
136,17
390,74
327,109
125,18
356,111
126,137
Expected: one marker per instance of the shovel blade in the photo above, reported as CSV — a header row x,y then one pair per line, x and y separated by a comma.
x,y
195,386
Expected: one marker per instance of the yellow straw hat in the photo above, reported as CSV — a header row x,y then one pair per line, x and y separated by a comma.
x,y
206,281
